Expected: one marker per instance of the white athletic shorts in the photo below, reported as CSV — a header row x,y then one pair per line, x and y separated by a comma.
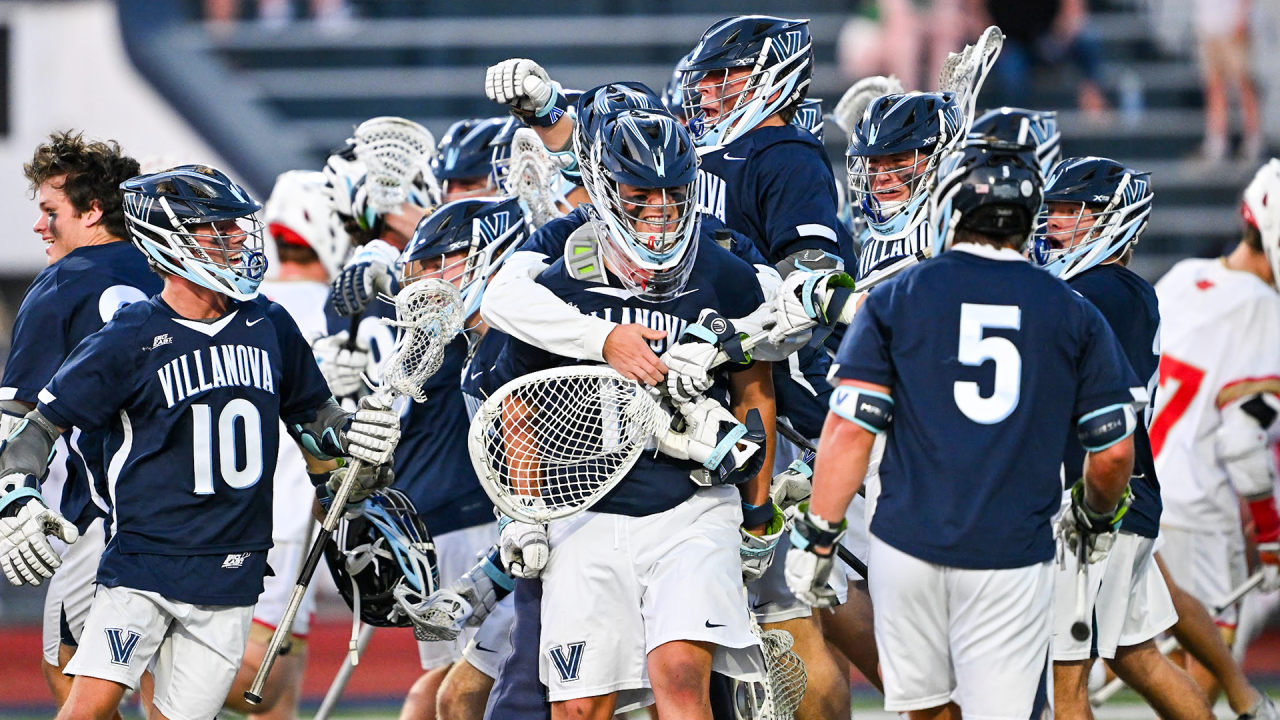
x,y
491,646
193,651
1208,564
772,600
616,587
70,593
979,638
456,553
856,538
1131,603
285,559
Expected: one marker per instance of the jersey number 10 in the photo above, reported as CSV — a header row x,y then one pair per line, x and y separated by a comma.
x,y
203,441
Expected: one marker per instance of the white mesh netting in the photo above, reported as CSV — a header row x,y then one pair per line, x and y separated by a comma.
x,y
429,315
533,176
778,697
564,436
395,151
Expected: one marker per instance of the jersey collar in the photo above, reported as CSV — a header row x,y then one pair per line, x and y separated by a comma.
x,y
989,252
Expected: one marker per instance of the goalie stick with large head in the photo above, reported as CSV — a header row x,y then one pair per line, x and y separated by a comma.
x,y
428,316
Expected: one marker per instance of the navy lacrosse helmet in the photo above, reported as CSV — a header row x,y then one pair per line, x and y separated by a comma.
x,y
194,222
466,153
487,229
776,52
1105,208
1016,125
673,91
382,548
893,157
648,229
809,116
992,189
596,104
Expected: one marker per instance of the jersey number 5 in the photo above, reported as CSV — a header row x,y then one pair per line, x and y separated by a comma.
x,y
975,350
203,439
1182,382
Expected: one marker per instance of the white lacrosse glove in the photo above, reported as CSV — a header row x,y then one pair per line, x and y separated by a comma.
x,y
808,573
690,359
342,366
1098,530
365,275
374,431
731,452
524,547
806,300
792,486
523,85
25,554
757,550
465,603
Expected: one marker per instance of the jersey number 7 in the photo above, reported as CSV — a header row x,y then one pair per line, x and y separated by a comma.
x,y
1188,379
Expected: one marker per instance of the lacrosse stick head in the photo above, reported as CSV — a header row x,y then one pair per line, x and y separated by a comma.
x,y
779,695
535,179
963,73
397,156
429,316
858,97
552,443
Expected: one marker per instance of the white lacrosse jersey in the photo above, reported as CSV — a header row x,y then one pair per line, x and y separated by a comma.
x,y
1220,341
304,300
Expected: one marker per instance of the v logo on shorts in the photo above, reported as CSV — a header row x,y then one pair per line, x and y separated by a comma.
x,y
121,645
568,667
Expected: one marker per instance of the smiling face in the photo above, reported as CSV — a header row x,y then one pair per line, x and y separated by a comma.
x,y
60,227
890,176
653,211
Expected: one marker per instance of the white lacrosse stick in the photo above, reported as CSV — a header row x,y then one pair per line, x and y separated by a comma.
x,y
533,176
429,315
964,72
855,101
779,695
395,151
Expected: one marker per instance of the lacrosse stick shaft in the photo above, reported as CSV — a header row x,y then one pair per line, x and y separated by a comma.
x,y
339,684
1080,628
846,555
254,694
1170,643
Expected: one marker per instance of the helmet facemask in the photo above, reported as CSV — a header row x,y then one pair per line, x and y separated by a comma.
x,y
222,254
744,101
1091,233
911,170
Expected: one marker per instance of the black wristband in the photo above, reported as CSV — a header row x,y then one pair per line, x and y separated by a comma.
x,y
754,515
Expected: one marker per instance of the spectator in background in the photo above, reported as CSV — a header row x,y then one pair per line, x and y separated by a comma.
x,y
277,12
1222,28
893,37
1043,33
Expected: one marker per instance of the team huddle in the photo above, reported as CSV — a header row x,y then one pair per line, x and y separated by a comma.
x,y
622,401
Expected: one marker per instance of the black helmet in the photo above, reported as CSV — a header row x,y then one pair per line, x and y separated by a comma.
x,y
994,189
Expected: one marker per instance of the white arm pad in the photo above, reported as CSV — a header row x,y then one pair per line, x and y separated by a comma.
x,y
517,305
1242,445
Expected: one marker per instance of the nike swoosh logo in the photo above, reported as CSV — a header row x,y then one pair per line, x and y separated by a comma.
x,y
251,323
727,156
482,648
476,374
712,625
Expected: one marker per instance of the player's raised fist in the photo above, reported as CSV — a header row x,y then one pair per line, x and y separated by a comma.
x,y
520,83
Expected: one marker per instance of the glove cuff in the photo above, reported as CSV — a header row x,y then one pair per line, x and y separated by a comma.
x,y
753,515
1093,521
12,502
810,530
1266,520
549,114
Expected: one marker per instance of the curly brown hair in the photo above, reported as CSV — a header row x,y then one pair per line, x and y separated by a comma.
x,y
91,172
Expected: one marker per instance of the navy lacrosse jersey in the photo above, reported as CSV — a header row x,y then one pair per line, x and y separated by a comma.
x,y
875,252
719,281
70,300
1128,303
775,185
432,464
191,409
990,362
480,376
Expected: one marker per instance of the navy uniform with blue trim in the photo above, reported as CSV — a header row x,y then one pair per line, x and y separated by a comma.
x,y
978,394
182,398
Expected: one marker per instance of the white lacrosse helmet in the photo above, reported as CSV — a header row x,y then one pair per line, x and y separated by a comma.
x,y
300,212
1261,209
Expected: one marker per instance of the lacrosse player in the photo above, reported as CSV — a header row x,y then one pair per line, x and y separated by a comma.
x,y
963,604
463,162
168,379
677,614
310,244
91,274
1214,419
1088,242
463,242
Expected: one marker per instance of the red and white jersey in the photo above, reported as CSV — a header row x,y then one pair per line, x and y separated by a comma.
x,y
304,300
1220,337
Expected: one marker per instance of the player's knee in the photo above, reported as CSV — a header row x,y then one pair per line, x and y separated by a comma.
x,y
685,680
461,697
599,707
